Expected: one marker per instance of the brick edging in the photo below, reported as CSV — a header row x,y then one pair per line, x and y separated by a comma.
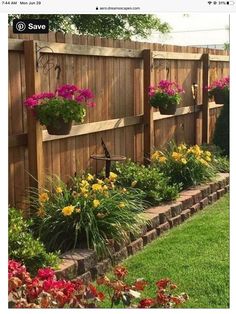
x,y
84,264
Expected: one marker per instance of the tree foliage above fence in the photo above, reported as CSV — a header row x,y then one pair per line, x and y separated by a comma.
x,y
117,26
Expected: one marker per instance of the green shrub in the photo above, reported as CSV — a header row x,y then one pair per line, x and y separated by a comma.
x,y
221,134
24,247
184,165
155,185
91,213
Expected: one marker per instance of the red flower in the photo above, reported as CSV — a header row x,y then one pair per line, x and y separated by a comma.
x,y
140,284
120,272
176,300
146,303
162,298
162,284
100,296
46,273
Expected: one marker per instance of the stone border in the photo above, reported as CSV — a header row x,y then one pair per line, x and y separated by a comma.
x,y
84,264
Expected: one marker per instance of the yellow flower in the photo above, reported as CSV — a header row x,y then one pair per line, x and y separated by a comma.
x,y
182,147
58,189
90,177
97,187
84,190
112,176
43,197
155,156
203,162
41,212
122,205
68,210
78,210
84,184
162,159
176,156
184,161
100,181
208,153
85,195
134,183
207,158
105,188
96,203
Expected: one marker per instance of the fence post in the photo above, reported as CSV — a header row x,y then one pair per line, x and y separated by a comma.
x,y
35,141
205,110
148,110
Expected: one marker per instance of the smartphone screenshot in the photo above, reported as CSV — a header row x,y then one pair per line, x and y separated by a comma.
x,y
117,161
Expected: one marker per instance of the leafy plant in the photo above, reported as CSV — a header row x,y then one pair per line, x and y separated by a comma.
x,y
23,247
155,185
65,104
92,213
45,291
184,165
165,93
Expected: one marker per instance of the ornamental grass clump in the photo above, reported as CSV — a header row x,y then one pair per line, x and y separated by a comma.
x,y
165,96
61,107
184,165
91,212
155,185
46,291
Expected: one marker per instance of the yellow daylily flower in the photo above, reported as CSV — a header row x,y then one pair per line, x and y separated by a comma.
x,y
96,203
121,205
90,177
162,159
58,190
68,210
97,187
43,197
112,176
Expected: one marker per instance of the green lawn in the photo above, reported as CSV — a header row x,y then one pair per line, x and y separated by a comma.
x,y
195,255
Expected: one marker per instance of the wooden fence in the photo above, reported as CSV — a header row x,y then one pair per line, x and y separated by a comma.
x,y
119,73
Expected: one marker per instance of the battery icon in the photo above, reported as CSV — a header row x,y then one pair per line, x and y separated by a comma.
x,y
230,2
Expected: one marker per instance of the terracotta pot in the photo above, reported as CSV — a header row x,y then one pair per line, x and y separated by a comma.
x,y
170,109
60,127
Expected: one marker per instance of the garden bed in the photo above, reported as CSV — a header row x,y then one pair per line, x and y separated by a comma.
x,y
85,264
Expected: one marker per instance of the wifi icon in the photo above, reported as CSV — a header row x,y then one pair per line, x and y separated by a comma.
x,y
209,2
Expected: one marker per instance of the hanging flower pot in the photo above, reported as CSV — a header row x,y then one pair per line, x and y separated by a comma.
x,y
60,127
165,96
220,97
58,110
168,109
219,91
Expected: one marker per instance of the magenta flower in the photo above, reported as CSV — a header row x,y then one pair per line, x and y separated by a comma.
x,y
219,84
46,273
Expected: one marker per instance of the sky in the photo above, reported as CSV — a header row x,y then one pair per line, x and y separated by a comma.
x,y
194,29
